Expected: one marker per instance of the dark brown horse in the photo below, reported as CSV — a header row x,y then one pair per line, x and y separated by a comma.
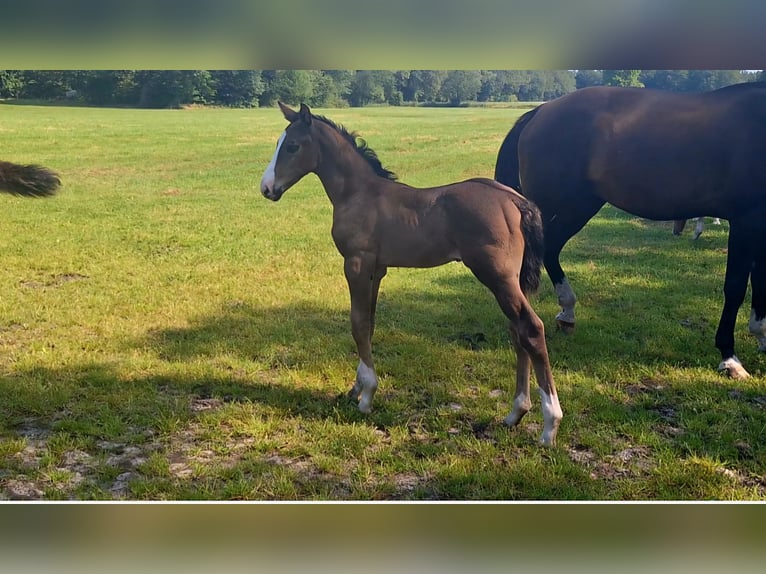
x,y
658,155
380,223
27,180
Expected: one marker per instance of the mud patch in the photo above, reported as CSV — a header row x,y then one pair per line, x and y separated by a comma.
x,y
630,462
56,280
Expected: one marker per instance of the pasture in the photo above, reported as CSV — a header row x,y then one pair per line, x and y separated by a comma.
x,y
167,333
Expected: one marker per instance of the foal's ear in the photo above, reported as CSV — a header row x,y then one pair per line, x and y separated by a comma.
x,y
305,114
290,114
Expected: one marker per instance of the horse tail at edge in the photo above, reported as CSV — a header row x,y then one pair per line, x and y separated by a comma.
x,y
507,166
28,180
532,230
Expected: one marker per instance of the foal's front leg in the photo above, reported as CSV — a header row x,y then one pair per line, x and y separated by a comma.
x,y
360,274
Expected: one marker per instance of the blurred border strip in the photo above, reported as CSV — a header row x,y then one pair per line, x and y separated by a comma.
x,y
401,537
364,34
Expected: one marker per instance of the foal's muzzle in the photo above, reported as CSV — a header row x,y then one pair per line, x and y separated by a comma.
x,y
274,194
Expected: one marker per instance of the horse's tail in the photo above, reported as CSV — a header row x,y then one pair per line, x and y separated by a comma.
x,y
532,229
507,166
28,180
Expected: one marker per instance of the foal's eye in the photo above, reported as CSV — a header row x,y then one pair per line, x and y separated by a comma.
x,y
292,147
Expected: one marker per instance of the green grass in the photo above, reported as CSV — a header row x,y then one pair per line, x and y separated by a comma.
x,y
166,333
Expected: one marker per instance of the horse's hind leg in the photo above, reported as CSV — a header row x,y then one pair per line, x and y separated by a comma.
x,y
528,334
531,335
521,401
558,229
699,228
739,265
757,323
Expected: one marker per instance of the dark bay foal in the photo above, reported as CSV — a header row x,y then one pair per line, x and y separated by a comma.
x,y
380,223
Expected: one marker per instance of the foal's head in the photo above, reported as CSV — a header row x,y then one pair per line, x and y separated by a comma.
x,y
295,156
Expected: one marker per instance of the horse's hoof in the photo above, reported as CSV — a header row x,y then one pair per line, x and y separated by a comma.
x,y
734,369
548,441
565,326
513,419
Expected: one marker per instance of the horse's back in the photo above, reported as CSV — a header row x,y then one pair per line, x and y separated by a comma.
x,y
656,154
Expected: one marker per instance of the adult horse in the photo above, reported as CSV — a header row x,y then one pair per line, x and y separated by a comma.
x,y
28,180
658,155
380,223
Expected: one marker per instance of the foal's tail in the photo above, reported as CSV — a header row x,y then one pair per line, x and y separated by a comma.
x,y
507,166
532,229
28,180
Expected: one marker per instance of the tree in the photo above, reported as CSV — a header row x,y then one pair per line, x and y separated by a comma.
x,y
373,87
623,78
238,88
11,83
173,88
460,86
588,78
332,88
422,85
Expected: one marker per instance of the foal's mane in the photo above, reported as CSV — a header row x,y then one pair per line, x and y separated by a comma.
x,y
360,145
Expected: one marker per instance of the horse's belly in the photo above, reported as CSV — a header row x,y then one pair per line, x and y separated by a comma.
x,y
416,255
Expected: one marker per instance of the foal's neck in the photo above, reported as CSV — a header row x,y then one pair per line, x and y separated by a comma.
x,y
343,172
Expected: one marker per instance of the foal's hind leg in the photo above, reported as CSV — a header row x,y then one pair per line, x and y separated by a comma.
x,y
531,336
521,401
528,335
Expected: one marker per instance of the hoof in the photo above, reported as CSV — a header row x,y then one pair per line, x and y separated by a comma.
x,y
565,326
734,369
548,441
513,419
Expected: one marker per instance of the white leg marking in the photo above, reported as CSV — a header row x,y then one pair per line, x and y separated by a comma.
x,y
366,384
699,228
267,181
733,368
551,417
521,406
758,330
716,221
567,301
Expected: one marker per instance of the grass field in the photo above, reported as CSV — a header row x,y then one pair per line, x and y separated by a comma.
x,y
167,333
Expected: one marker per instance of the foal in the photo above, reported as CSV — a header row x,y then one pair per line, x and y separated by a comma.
x,y
380,223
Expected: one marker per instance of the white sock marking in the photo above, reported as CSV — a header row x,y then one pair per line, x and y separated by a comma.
x,y
367,382
699,228
567,301
733,368
521,406
267,181
758,330
552,415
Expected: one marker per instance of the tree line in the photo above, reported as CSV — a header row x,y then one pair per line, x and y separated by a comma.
x,y
338,88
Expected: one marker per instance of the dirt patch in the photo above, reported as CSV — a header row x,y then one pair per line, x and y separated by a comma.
x,y
632,461
56,280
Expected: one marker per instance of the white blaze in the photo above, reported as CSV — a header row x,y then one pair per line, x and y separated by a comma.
x,y
267,181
